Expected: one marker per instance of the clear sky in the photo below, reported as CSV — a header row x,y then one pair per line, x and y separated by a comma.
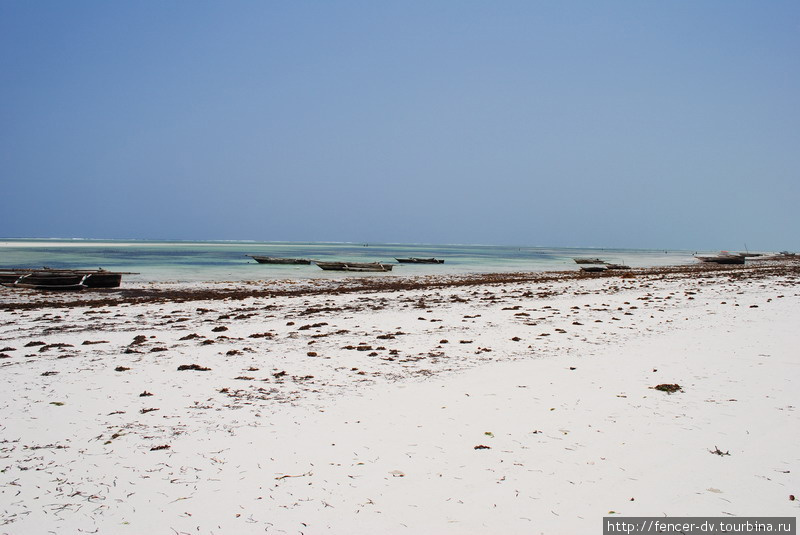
x,y
657,124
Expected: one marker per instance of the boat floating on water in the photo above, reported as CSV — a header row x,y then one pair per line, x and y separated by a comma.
x,y
278,260
588,261
61,279
354,266
420,260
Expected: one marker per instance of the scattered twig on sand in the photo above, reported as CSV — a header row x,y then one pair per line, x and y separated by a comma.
x,y
290,475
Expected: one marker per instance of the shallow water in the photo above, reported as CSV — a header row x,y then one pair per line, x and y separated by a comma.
x,y
218,261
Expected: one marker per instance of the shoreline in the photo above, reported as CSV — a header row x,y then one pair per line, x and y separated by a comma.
x,y
221,290
521,403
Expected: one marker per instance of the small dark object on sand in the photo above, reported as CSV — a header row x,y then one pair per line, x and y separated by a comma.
x,y
482,447
145,411
717,451
195,367
669,388
121,369
46,374
156,448
190,336
219,329
138,339
145,394
53,346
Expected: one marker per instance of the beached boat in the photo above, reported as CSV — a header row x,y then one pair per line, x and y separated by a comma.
x,y
593,269
783,255
54,281
354,266
588,261
61,279
723,258
617,266
420,260
278,260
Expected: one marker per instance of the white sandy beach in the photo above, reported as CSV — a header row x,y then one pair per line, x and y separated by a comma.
x,y
498,408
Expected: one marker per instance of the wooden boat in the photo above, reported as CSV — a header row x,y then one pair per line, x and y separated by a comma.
x,y
593,269
617,266
723,258
783,255
420,260
588,261
48,281
61,279
354,266
277,260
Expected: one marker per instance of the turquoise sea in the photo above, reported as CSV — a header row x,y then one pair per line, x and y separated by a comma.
x,y
227,261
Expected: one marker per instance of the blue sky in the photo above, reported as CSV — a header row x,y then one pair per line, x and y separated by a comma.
x,y
613,124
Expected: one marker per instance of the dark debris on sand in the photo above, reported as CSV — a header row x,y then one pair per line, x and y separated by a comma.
x,y
113,297
195,367
669,388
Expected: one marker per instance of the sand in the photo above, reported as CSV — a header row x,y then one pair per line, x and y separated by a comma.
x,y
510,406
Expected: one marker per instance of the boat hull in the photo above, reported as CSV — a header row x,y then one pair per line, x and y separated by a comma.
x,y
276,260
103,280
354,266
420,260
723,259
61,277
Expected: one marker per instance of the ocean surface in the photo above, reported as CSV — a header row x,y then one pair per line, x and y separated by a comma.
x,y
227,261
